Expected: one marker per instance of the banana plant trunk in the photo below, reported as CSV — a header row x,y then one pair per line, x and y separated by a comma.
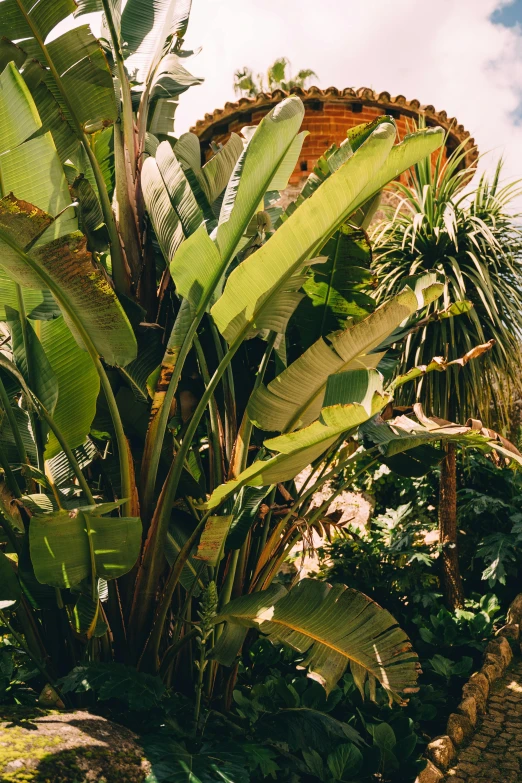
x,y
451,580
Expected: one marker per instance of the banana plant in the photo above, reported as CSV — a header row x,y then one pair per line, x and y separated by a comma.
x,y
155,408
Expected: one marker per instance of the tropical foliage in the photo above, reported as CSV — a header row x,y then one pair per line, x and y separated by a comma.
x,y
470,234
154,416
277,77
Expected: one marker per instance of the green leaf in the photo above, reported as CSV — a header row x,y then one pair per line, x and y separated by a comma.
x,y
170,202
303,728
78,385
75,59
60,467
180,529
59,544
299,238
33,173
38,305
288,164
247,503
19,15
34,364
149,28
345,762
335,289
215,174
217,171
254,171
354,398
200,263
53,117
10,590
332,626
10,52
195,266
87,617
23,423
18,115
383,735
296,395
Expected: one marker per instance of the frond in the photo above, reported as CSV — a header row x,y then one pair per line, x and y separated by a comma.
x,y
471,237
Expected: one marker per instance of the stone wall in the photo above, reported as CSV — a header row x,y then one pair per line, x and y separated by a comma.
x,y
443,752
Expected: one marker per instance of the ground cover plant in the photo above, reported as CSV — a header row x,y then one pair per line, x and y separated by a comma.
x,y
172,358
398,557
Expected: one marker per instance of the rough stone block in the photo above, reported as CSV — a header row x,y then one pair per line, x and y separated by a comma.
x,y
477,687
514,614
501,648
481,681
459,728
492,671
430,774
468,707
510,631
441,751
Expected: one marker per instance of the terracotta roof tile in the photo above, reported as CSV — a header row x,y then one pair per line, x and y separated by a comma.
x,y
364,95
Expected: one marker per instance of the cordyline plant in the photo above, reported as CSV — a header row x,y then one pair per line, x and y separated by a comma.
x,y
145,300
469,233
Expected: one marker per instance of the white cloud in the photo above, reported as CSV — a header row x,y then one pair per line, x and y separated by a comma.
x,y
448,54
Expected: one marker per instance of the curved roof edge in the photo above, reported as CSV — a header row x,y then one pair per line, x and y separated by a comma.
x,y
364,95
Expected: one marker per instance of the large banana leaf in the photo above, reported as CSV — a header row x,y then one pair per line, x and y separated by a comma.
x,y
78,385
336,291
351,398
199,263
212,541
19,117
404,433
332,626
39,305
376,162
67,268
267,149
77,65
33,172
215,174
170,202
60,546
149,28
32,361
295,397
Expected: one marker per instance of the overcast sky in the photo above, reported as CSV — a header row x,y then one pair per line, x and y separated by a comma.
x,y
463,56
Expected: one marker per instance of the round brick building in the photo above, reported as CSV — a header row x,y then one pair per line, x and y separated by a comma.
x,y
328,115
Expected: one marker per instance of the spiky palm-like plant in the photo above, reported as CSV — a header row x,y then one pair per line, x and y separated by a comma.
x,y
471,236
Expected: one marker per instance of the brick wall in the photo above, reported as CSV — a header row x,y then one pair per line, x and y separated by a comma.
x,y
326,122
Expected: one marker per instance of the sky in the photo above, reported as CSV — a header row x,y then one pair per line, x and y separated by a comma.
x,y
463,56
